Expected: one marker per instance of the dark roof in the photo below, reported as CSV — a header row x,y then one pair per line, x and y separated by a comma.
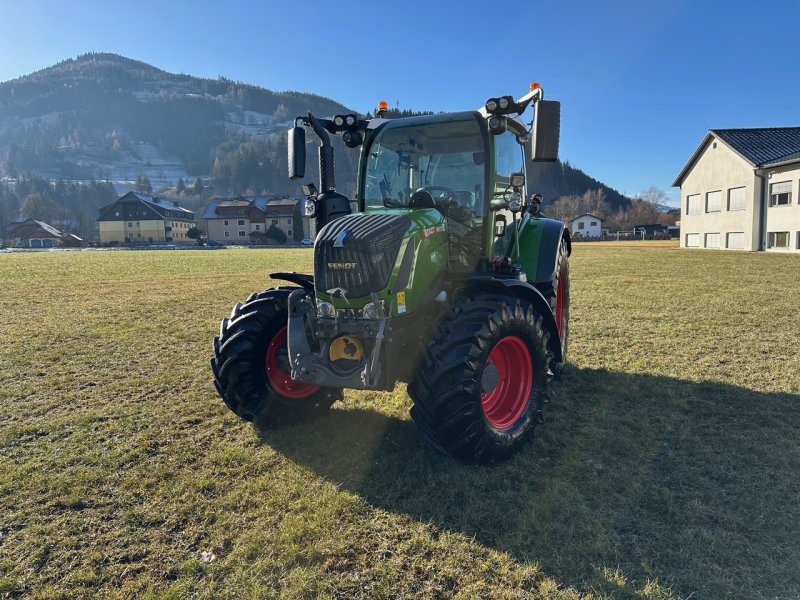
x,y
264,204
587,215
767,147
762,146
29,226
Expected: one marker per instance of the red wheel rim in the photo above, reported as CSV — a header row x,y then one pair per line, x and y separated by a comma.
x,y
561,321
279,379
507,382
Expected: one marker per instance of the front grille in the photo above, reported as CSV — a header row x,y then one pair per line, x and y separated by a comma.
x,y
363,263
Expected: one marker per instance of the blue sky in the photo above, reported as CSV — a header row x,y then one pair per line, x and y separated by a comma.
x,y
640,82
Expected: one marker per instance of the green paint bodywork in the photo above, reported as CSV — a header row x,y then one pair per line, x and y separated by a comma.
x,y
428,233
524,250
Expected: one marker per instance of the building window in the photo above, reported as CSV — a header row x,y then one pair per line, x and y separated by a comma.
x,y
712,240
581,225
242,234
288,221
593,223
258,227
693,205
241,222
736,198
227,234
780,194
130,224
713,201
225,223
778,239
138,223
693,240
274,221
735,240
289,232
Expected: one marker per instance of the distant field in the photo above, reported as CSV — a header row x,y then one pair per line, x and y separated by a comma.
x,y
633,244
668,465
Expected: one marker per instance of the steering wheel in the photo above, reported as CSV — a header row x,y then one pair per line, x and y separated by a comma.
x,y
424,198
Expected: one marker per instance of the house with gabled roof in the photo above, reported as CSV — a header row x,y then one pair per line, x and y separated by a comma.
x,y
586,225
740,190
143,218
31,233
246,219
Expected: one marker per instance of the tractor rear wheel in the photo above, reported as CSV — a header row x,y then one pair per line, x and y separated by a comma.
x,y
556,292
480,386
251,368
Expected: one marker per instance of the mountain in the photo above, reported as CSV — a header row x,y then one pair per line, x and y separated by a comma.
x,y
106,118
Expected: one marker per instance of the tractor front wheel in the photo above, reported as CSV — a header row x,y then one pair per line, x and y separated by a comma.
x,y
479,389
251,366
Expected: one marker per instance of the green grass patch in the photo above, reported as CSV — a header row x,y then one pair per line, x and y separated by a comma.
x,y
667,467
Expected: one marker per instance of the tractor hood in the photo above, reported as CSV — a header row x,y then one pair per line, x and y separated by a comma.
x,y
379,252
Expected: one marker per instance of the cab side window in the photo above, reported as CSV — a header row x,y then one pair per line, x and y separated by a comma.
x,y
508,159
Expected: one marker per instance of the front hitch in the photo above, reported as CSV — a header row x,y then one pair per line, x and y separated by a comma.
x,y
310,366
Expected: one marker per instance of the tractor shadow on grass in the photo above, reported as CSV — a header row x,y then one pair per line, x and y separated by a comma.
x,y
692,483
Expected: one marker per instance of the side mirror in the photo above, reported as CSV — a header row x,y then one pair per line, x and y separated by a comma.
x,y
499,226
297,152
546,131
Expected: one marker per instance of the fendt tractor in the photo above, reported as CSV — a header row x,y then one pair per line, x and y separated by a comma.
x,y
447,278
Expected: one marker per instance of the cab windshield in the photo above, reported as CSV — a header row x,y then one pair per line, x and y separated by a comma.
x,y
435,164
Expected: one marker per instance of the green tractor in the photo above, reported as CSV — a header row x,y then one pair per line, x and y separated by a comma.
x,y
447,278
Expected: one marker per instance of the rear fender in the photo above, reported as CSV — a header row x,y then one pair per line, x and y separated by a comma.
x,y
523,291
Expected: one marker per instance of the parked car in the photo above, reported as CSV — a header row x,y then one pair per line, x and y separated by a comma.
x,y
307,242
214,244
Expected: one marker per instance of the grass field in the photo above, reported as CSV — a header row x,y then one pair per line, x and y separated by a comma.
x,y
669,465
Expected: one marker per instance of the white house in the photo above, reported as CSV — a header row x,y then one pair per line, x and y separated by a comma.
x,y
740,191
587,225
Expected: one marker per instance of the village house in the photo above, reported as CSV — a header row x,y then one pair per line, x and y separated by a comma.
x,y
587,226
246,220
741,191
31,233
142,218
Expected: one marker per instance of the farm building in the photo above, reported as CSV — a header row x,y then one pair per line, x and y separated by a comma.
x,y
31,233
142,218
586,225
246,219
740,191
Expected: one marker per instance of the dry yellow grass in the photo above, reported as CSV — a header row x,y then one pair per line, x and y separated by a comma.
x,y
667,466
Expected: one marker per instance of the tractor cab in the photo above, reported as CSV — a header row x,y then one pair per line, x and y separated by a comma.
x,y
431,162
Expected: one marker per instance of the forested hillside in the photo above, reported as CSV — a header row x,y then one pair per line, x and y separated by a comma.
x,y
107,118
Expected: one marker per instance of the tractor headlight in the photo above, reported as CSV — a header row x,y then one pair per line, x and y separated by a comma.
x,y
338,120
352,139
310,208
517,180
325,309
515,202
503,103
491,105
350,120
497,125
371,311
